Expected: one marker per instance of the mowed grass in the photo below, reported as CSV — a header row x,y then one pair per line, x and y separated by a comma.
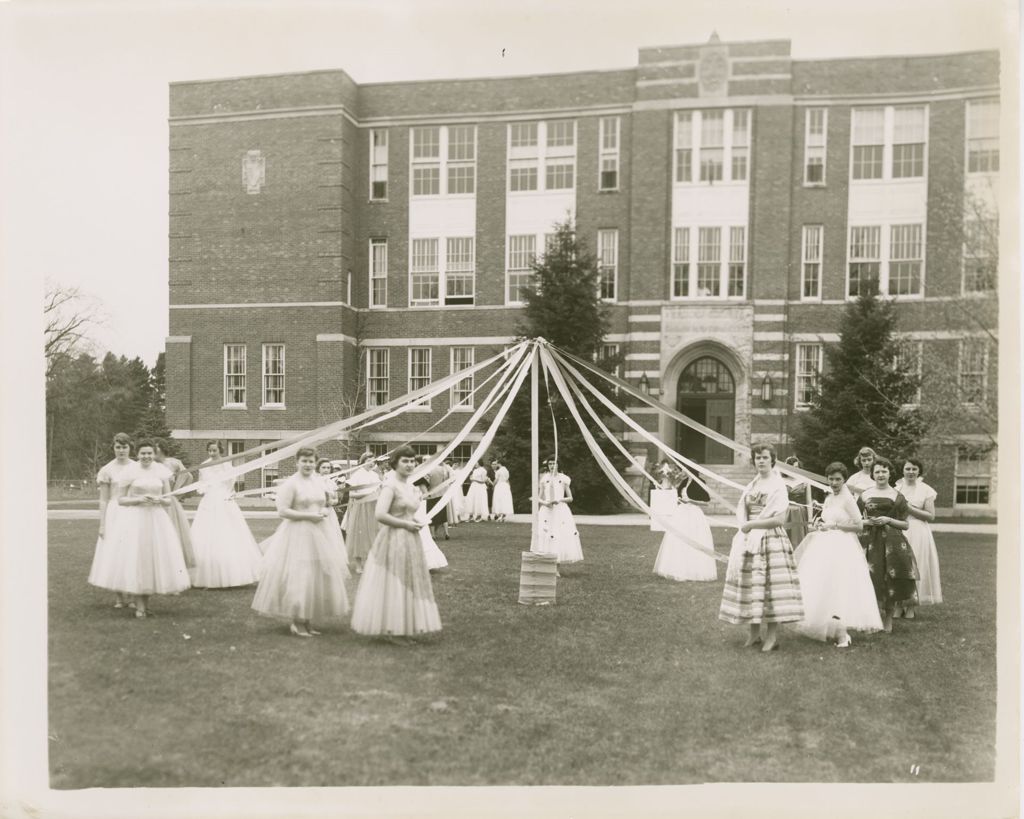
x,y
629,680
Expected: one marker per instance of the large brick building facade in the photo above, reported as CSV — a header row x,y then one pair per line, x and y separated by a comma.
x,y
333,243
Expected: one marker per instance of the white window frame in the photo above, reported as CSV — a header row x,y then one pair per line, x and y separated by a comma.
x,y
236,447
445,263
912,348
609,146
378,163
888,144
807,367
885,259
378,357
963,474
378,267
442,162
414,374
540,155
981,373
688,127
680,268
267,375
269,471
228,385
690,259
465,386
815,146
972,257
986,138
812,245
527,273
608,261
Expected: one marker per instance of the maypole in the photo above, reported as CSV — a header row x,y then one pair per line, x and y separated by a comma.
x,y
534,446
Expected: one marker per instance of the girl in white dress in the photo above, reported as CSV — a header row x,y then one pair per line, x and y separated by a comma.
x,y
147,553
457,510
226,552
431,551
476,497
676,560
112,480
305,568
556,528
859,481
921,511
834,577
323,471
177,475
359,523
501,502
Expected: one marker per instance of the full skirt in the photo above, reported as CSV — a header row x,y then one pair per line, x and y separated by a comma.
x,y
835,582
361,528
431,551
678,561
557,534
395,596
225,550
303,573
476,501
796,523
181,526
766,587
104,560
501,502
146,553
929,586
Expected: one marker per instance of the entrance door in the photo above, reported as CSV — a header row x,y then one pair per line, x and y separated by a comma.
x,y
707,394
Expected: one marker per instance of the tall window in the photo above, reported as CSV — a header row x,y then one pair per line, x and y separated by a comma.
x,y
608,154
270,473
889,142
886,259
740,144
909,355
709,256
443,160
234,375
712,145
424,273
441,266
522,251
973,371
273,375
908,139
541,151
737,260
426,161
815,145
234,448
607,262
378,272
983,136
865,260
681,263
808,373
810,269
461,159
459,270
378,164
462,393
684,147
419,370
981,255
524,156
868,142
972,476
905,260
721,262
378,376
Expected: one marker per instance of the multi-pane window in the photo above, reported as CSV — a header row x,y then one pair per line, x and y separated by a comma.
x,y
815,144
236,447
681,263
737,260
865,260
808,373
973,370
522,251
461,159
459,270
983,136
908,140
709,256
378,272
610,353
443,160
273,375
378,164
561,134
424,273
868,142
559,175
908,359
378,376
270,473
462,393
810,268
378,448
419,370
886,259
905,260
542,153
522,135
981,254
972,476
522,175
234,375
889,142
426,161
607,262
712,145
608,154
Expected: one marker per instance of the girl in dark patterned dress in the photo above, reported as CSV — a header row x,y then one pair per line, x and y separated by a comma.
x,y
890,559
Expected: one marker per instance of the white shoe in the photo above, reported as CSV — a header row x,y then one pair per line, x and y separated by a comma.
x,y
845,641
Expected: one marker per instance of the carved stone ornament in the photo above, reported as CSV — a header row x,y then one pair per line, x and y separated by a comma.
x,y
713,71
254,171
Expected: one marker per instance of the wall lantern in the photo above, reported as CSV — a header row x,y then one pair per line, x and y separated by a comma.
x,y
767,389
645,384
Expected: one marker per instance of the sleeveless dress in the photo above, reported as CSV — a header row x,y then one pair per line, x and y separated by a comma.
x,y
116,477
360,523
834,576
304,571
890,559
147,553
226,552
395,596
172,466
919,535
761,582
476,497
556,527
501,502
677,560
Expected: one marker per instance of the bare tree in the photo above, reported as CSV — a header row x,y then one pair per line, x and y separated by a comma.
x,y
69,316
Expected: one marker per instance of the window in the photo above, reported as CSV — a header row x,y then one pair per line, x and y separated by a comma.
x,y
462,393
424,450
865,260
419,370
378,164
522,135
908,138
444,153
608,154
542,151
905,260
709,254
808,373
234,448
737,260
431,274
378,376
424,273
234,375
610,353
908,359
522,251
973,371
717,141
559,175
378,449
378,272
886,259
810,268
522,175
981,255
270,473
681,263
889,142
815,143
459,271
273,375
983,136
972,476
607,262
868,142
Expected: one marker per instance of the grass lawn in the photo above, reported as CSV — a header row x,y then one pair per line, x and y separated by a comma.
x,y
629,680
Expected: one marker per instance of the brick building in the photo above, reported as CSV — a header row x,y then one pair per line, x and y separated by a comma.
x,y
335,243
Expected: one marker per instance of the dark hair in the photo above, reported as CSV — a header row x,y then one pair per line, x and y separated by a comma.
x,y
792,460
321,462
145,443
306,452
161,445
837,466
123,439
551,458
424,482
220,449
916,462
757,449
880,461
856,458
402,452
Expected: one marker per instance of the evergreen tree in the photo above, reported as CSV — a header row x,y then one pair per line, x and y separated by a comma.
x,y
563,307
865,393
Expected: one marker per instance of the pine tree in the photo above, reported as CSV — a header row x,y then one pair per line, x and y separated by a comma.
x,y
563,307
865,393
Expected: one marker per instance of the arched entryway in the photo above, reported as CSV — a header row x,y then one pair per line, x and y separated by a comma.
x,y
706,392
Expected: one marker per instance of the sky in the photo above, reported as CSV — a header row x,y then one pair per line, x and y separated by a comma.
x,y
86,90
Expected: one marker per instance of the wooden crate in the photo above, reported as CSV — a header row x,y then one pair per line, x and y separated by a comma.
x,y
538,578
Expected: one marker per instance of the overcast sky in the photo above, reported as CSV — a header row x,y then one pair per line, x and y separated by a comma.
x,y
86,92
